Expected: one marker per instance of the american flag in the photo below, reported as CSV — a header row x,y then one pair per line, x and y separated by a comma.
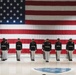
x,y
39,20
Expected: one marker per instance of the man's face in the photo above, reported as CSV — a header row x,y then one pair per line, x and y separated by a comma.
x,y
3,39
70,40
32,40
58,40
47,40
18,39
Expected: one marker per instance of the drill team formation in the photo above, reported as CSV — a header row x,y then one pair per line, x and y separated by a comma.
x,y
46,48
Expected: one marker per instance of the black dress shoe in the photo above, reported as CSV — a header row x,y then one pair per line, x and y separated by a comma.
x,y
18,59
32,60
3,59
70,59
47,61
43,74
58,59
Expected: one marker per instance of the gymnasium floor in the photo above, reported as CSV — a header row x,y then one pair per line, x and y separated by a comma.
x,y
25,66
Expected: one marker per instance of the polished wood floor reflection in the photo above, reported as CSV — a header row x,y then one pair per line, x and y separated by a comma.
x,y
25,66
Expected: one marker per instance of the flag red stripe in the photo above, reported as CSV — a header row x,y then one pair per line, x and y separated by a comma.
x,y
32,12
51,3
50,22
43,32
39,51
38,41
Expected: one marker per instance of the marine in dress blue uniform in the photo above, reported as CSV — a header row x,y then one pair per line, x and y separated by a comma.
x,y
33,48
58,48
47,48
4,48
18,49
70,48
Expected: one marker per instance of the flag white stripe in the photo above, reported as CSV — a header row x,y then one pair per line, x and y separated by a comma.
x,y
41,17
39,27
30,36
51,8
39,46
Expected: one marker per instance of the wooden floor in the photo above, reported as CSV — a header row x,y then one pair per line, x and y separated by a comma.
x,y
25,66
